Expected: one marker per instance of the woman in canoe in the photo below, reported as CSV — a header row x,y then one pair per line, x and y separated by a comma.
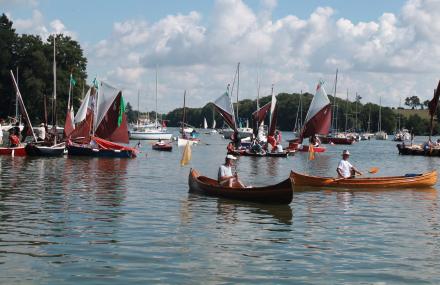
x,y
225,176
345,168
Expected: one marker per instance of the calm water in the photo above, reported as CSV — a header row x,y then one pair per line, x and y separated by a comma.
x,y
112,221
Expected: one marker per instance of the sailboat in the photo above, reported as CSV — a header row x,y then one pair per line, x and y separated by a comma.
x,y
380,135
155,132
213,130
19,149
101,124
335,137
317,122
185,137
400,135
49,148
242,133
223,106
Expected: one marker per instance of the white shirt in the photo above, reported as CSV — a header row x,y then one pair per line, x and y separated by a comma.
x,y
345,168
279,148
224,171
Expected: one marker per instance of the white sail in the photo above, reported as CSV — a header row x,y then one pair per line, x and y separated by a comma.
x,y
106,97
272,107
213,124
82,111
224,106
319,101
205,124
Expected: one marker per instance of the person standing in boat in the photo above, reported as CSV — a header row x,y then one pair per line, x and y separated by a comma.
x,y
345,168
225,176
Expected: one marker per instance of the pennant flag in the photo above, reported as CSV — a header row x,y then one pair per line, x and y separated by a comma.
x,y
311,152
121,110
72,80
186,157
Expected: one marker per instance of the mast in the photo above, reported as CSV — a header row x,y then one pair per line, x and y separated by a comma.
x,y
238,87
16,98
54,116
398,115
380,115
138,111
156,99
335,112
356,113
346,113
183,119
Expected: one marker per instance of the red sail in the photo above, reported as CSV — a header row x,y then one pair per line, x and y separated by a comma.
x,y
434,102
260,114
108,128
68,125
319,123
84,128
273,122
228,118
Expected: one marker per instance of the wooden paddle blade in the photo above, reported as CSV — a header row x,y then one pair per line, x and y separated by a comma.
x,y
373,170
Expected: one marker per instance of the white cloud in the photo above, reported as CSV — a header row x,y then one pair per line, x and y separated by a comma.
x,y
394,56
37,25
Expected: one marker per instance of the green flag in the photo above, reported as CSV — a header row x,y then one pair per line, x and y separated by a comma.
x,y
72,81
121,110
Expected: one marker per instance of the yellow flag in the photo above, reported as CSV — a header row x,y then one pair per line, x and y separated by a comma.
x,y
311,152
186,157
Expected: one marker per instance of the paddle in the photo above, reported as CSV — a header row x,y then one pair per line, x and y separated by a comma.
x,y
372,170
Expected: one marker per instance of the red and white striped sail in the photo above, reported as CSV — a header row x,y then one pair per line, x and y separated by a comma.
x,y
319,115
223,105
273,115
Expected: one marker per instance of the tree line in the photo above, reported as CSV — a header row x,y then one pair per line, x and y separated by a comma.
x,y
31,59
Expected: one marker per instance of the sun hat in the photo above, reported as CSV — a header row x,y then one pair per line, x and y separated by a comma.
x,y
345,152
230,156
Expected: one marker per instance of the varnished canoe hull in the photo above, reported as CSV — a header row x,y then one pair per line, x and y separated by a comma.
x,y
281,193
423,180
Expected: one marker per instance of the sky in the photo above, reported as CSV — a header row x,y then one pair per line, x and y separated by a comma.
x,y
384,50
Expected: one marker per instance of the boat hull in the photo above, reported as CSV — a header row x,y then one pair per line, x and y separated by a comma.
x,y
184,142
37,150
13,151
163,147
150,136
420,180
281,193
336,140
266,154
417,150
87,151
293,146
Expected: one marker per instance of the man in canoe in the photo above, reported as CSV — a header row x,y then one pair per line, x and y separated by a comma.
x,y
225,176
346,169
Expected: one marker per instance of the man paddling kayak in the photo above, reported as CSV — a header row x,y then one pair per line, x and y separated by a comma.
x,y
225,177
346,169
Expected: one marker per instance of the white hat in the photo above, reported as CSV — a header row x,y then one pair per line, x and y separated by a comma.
x,y
230,156
346,152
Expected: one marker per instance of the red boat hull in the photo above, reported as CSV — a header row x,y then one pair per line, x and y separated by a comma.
x,y
304,148
18,151
328,140
163,147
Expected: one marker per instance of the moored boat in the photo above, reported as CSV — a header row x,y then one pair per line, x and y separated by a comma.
x,y
35,149
13,151
280,193
163,146
337,140
406,181
246,152
295,146
98,147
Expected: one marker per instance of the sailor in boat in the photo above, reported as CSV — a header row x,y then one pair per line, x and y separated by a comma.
x,y
14,140
230,148
225,176
345,168
256,147
315,141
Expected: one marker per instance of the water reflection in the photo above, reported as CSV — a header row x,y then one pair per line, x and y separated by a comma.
x,y
227,210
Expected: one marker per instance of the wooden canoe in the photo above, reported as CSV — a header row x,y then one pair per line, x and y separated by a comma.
x,y
408,181
281,193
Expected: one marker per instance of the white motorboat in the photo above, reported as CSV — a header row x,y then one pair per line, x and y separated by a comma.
x,y
144,133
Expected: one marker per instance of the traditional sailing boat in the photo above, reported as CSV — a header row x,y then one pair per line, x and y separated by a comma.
x,y
185,138
51,148
317,122
101,123
400,134
19,149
